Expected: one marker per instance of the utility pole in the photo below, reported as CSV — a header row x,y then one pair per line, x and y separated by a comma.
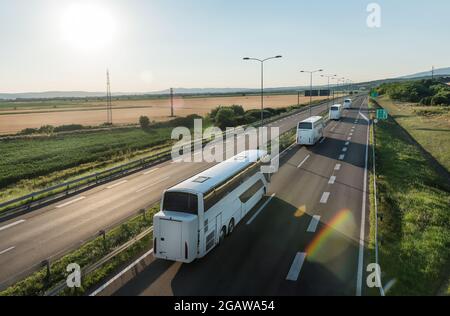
x,y
171,102
109,119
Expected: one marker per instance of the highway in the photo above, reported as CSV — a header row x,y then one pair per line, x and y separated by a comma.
x,y
309,240
53,230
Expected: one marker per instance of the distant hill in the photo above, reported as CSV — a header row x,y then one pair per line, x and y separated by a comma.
x,y
185,91
437,72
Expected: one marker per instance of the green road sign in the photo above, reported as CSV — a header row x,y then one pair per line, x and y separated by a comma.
x,y
382,114
374,94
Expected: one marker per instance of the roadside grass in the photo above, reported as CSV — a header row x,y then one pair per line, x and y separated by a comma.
x,y
428,125
37,284
30,163
27,186
414,229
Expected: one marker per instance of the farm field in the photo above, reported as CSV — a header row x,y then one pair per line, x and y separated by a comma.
x,y
128,111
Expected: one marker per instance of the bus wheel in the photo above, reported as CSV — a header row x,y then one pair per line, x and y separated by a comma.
x,y
222,235
231,227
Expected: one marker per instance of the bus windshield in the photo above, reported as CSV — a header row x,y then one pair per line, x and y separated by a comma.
x,y
181,202
305,125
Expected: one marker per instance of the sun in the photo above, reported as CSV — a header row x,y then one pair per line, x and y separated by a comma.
x,y
87,26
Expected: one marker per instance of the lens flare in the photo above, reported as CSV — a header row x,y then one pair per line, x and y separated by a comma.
x,y
338,222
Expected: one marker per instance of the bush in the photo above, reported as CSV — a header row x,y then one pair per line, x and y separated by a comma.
x,y
144,121
225,117
238,110
427,92
442,98
68,128
29,131
46,129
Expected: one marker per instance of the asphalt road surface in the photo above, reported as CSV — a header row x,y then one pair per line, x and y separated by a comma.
x,y
309,240
57,228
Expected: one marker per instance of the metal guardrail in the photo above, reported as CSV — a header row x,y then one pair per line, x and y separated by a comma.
x,y
61,286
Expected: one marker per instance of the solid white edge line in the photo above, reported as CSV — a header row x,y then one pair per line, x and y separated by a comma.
x,y
313,224
296,267
359,278
71,202
104,286
6,250
260,209
11,225
303,162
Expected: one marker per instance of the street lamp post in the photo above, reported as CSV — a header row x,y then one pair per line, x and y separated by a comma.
x,y
335,88
262,81
310,84
329,91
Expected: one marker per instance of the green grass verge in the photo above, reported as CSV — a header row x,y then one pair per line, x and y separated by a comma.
x,y
414,202
91,252
428,125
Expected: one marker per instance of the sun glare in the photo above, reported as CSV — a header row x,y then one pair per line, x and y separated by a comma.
x,y
87,27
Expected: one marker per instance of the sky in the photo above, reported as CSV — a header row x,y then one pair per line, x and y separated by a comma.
x,y
151,45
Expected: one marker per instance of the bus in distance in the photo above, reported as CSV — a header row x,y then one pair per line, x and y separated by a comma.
x,y
198,213
348,104
336,112
310,131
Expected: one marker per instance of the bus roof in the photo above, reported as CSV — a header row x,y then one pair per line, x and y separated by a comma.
x,y
215,176
313,119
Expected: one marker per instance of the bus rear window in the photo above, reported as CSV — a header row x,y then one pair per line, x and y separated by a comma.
x,y
305,125
334,109
181,202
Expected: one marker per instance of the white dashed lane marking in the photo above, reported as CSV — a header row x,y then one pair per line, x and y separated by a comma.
x,y
325,197
12,224
117,184
150,171
71,202
6,250
296,267
332,180
314,223
303,162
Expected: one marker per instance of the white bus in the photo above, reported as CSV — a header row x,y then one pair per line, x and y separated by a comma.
x,y
198,213
310,131
348,103
336,112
